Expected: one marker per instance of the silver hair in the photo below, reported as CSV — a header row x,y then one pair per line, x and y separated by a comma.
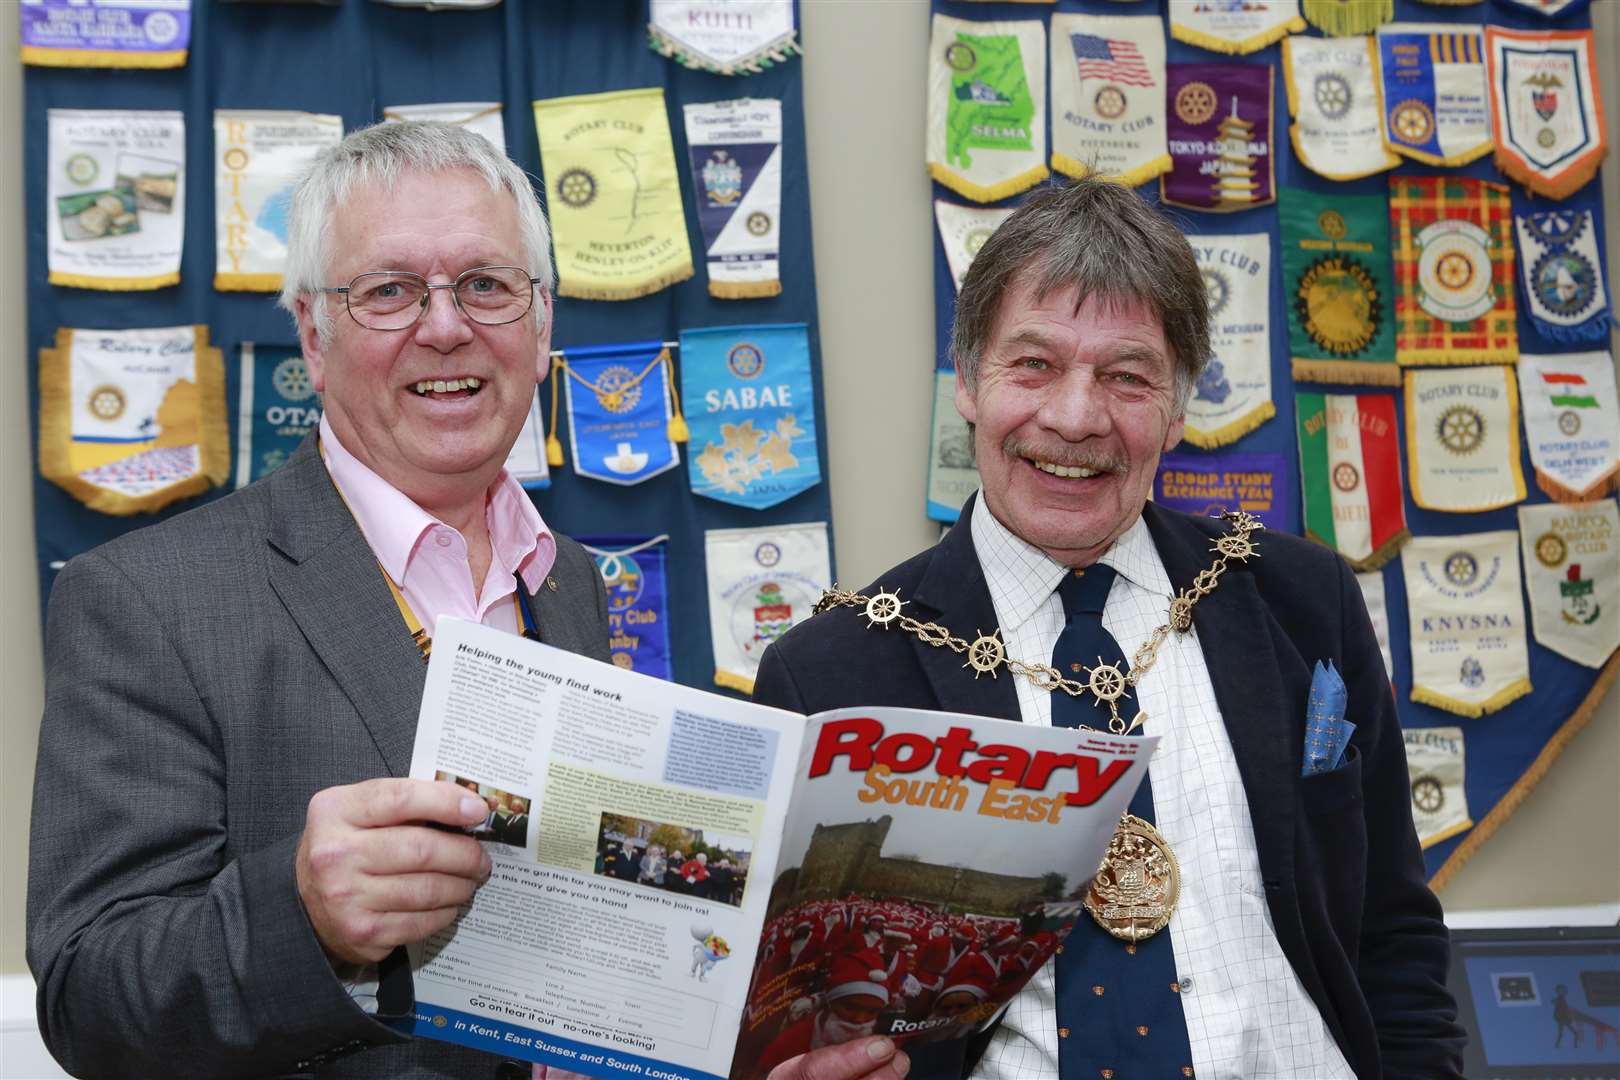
x,y
381,154
1102,239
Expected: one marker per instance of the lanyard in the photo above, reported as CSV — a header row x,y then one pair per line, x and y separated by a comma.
x,y
424,643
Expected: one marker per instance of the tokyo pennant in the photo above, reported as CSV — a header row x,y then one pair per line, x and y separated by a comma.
x,y
987,106
259,155
1462,438
634,572
1572,573
1333,98
1208,485
1108,96
1572,420
105,33
276,410
1561,274
1221,148
619,410
1350,475
1546,109
1233,395
735,148
1234,28
762,582
1338,288
1432,79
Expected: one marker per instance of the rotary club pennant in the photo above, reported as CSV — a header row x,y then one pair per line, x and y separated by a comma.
x,y
633,572
1546,111
615,199
1434,762
1234,28
1220,137
1572,573
953,474
1432,83
619,411
527,461
1333,97
751,410
1209,485
736,154
276,409
1453,244
1372,591
762,583
1108,96
1561,274
1347,18
1233,395
725,37
105,33
131,420
483,117
963,231
116,197
1572,420
261,154
1336,273
986,106
1462,436
1467,622
1350,475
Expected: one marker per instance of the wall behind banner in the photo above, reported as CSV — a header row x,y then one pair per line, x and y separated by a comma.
x,y
863,77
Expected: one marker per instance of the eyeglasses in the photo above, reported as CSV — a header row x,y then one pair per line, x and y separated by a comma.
x,y
395,299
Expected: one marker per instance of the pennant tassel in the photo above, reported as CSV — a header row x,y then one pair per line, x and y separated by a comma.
x,y
1348,372
1235,47
988,193
1562,186
1496,702
1347,18
677,429
113,284
1231,433
1141,174
1560,493
632,291
554,450
744,290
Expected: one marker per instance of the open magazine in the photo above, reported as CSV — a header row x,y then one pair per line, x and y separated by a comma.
x,y
687,885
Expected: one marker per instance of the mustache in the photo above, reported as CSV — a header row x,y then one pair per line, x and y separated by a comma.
x,y
1074,457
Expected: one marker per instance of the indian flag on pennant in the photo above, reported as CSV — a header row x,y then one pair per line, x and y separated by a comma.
x,y
1350,472
1572,423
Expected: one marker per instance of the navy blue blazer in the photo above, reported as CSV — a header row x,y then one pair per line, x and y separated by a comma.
x,y
1339,860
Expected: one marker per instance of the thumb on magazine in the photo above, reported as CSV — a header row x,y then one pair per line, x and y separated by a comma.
x,y
863,1059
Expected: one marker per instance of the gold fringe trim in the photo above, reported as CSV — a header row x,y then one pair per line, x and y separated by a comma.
x,y
1562,186
732,681
1504,697
1532,776
743,290
1134,177
41,56
213,424
1382,554
1236,48
1609,481
1446,834
113,284
626,292
1336,18
1456,357
1453,3
228,282
1453,161
1352,372
1004,189
1231,433
1390,160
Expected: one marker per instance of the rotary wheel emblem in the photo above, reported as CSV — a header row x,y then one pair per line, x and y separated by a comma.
x,y
1219,292
985,655
1461,569
622,660
617,389
1234,547
236,159
1427,794
959,56
291,379
1109,103
1195,103
1412,121
974,240
1454,270
1345,476
1545,138
1105,682
1331,222
1555,227
759,223
1461,429
576,188
1569,422
106,403
1332,95
883,609
1551,551
81,169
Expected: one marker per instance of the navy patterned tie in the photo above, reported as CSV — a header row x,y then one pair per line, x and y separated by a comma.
x,y
1118,1005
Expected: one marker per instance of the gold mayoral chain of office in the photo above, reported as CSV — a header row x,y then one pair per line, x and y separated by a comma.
x,y
1137,885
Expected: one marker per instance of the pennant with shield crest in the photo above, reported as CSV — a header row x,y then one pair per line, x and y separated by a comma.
x,y
762,582
1546,109
735,148
1572,573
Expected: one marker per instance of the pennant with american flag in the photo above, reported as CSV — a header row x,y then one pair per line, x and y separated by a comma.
x,y
1572,421
1108,96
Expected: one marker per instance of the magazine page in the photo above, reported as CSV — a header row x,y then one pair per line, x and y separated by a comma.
x,y
634,828
931,864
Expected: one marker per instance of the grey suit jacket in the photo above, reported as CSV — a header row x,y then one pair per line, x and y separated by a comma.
x,y
204,678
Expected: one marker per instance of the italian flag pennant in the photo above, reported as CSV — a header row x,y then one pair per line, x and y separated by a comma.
x,y
1350,473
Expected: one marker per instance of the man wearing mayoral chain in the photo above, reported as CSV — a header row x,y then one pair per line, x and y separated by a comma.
x,y
1262,910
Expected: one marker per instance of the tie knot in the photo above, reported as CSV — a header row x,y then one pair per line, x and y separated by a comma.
x,y
1085,592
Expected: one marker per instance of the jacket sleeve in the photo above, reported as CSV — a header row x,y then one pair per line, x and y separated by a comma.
x,y
774,683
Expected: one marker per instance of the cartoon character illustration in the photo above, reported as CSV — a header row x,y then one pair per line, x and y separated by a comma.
x,y
710,949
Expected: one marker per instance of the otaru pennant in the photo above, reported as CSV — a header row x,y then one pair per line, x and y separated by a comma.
x,y
614,196
259,156
1572,573
1350,475
987,106
1562,275
1347,18
1108,96
1572,420
1212,484
1546,111
1234,28
1467,622
1233,396
1220,137
963,231
726,37
1333,98
483,117
1432,81
953,474
633,572
131,420
105,33
1337,286
1462,436
751,409
762,582
1453,243
619,410
735,149
276,409
527,461
1372,591
1434,761
116,207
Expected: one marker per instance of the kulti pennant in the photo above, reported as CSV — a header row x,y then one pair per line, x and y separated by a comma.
x,y
1212,484
527,461
1350,475
1221,149
1546,109
1467,622
1338,288
1432,81
735,148
1233,395
483,117
1234,28
1347,18
987,106
131,420
614,196
1572,421
1372,591
762,583
1108,96
1462,438
1572,573
963,231
619,410
1454,269
1435,762
116,205
1562,274
751,410
259,155
726,37
105,33
276,409
953,474
634,574
1333,97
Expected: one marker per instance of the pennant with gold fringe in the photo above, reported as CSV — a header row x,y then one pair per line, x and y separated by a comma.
x,y
735,149
987,106
1435,760
1234,29
1546,108
1572,574
105,33
1222,153
259,155
1108,97
724,37
1462,439
1233,395
622,425
1350,475
131,420
762,582
1572,421
1333,98
1337,284
1347,18
1432,84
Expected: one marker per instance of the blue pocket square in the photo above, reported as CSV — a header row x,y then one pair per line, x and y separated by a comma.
x,y
1327,732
